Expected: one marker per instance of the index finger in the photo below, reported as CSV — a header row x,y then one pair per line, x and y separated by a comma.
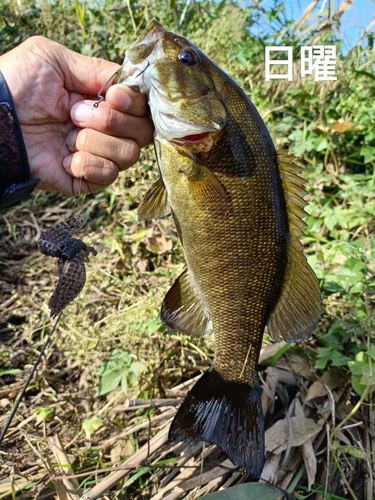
x,y
123,98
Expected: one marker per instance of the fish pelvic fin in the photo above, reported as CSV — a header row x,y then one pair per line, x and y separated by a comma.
x,y
228,414
155,204
297,312
183,311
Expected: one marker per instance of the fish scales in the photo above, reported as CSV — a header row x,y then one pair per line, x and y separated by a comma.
x,y
236,203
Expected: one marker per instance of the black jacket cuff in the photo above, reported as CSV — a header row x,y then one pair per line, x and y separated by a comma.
x,y
15,183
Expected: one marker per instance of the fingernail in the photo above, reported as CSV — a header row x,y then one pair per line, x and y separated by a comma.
x,y
67,162
71,138
81,112
119,98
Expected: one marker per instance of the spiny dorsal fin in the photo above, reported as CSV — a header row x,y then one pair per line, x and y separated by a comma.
x,y
297,312
155,203
293,191
182,310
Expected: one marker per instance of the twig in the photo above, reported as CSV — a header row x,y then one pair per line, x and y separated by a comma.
x,y
368,463
354,409
328,463
133,462
345,481
33,370
71,484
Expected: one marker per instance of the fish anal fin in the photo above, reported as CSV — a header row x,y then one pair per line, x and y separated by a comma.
x,y
296,314
183,311
155,204
228,414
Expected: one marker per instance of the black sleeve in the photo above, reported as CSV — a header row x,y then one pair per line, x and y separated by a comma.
x,y
15,183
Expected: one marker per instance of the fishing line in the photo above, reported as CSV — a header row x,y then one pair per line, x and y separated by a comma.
x,y
79,203
31,374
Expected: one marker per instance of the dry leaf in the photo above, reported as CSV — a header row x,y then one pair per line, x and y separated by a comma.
x,y
268,351
122,449
333,378
306,13
308,453
283,376
277,436
271,467
296,364
159,244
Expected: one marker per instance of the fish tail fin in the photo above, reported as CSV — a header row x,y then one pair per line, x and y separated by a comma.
x,y
228,414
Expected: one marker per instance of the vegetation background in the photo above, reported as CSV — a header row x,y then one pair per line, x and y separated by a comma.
x,y
111,349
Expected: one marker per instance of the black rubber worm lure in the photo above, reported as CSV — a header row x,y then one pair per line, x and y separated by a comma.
x,y
72,253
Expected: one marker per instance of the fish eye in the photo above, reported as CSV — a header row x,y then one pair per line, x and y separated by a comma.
x,y
188,57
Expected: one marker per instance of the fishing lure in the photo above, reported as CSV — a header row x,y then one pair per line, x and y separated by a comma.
x,y
72,253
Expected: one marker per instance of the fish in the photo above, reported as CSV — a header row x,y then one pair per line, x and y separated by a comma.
x,y
238,206
72,253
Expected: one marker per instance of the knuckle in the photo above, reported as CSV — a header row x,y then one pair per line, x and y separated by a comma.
x,y
112,120
129,154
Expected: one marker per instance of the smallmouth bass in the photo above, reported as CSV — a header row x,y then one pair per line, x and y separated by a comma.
x,y
237,205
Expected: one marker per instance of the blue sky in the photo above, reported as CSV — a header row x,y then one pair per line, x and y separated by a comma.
x,y
353,21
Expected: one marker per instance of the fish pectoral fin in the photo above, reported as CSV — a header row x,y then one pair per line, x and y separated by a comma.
x,y
182,310
207,188
298,310
155,204
228,414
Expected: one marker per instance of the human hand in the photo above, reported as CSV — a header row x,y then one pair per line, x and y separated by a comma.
x,y
71,146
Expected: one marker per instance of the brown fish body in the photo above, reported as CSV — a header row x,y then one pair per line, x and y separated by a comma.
x,y
235,249
229,196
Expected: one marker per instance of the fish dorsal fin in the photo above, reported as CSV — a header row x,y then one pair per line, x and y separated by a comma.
x,y
182,310
293,191
155,203
297,312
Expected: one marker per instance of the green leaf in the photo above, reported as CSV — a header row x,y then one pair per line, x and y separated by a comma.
x,y
364,73
321,144
368,153
137,367
42,414
371,352
248,491
278,354
355,452
109,381
12,371
356,384
90,425
124,385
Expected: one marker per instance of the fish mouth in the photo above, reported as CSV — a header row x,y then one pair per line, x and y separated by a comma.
x,y
139,57
194,138
184,114
171,123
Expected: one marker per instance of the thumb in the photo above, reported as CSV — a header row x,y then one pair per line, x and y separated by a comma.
x,y
82,74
